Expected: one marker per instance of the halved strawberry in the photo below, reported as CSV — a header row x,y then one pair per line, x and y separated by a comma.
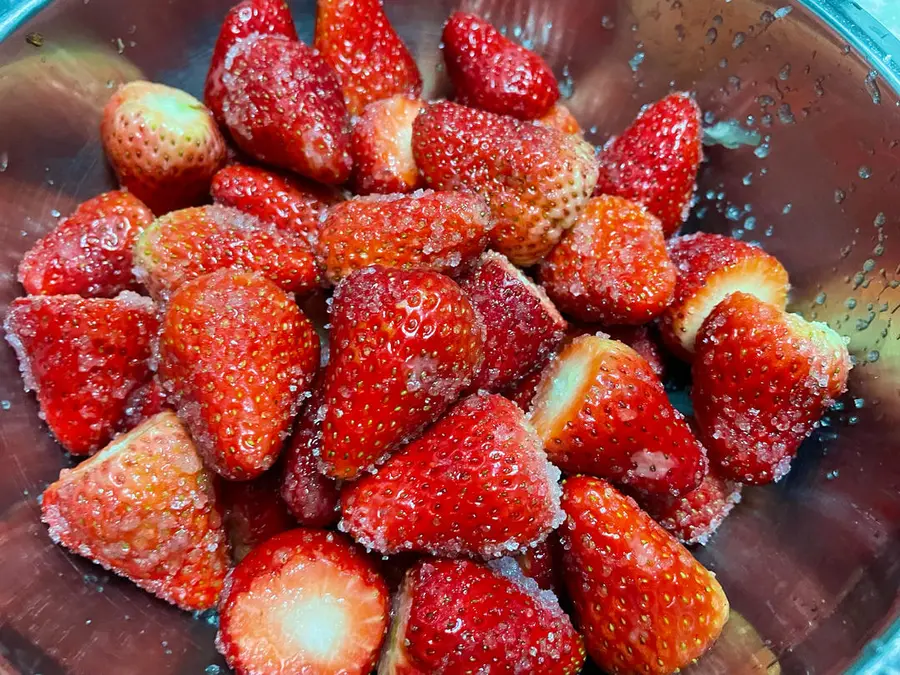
x,y
404,344
306,601
476,483
491,72
560,117
82,358
357,39
710,266
762,380
522,391
643,340
89,252
645,605
145,508
601,410
655,161
440,231
237,357
535,179
144,402
254,512
382,146
542,563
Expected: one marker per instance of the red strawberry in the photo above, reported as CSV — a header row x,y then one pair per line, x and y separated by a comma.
x,y
642,340
710,266
404,344
476,483
491,72
254,512
145,507
645,605
522,392
428,230
162,143
522,327
357,39
560,117
600,409
145,401
457,616
535,179
88,253
382,146
541,563
82,357
612,266
306,601
283,105
237,356
655,162
762,380
185,244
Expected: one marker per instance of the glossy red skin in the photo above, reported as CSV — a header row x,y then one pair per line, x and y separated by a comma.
x,y
643,340
477,483
85,357
655,161
254,512
357,39
299,122
643,602
89,252
382,146
491,72
543,564
145,401
404,344
236,357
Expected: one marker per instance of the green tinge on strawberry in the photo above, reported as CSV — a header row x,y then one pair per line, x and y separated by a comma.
x,y
762,380
254,512
382,146
145,507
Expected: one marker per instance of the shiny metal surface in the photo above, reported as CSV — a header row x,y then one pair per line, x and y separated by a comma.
x,y
811,564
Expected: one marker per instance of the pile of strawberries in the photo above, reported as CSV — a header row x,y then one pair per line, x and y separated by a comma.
x,y
499,287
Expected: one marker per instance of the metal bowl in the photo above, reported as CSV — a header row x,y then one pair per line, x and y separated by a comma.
x,y
806,93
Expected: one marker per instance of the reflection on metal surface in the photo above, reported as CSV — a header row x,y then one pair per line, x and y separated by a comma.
x,y
740,651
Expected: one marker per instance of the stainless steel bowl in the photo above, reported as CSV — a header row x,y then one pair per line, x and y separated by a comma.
x,y
807,92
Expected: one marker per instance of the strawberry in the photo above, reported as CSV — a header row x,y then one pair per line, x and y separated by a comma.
x,y
162,143
382,146
522,391
404,344
655,161
522,327
541,563
476,483
254,512
641,339
491,72
762,380
710,266
457,616
146,401
145,508
535,179
357,39
600,409
439,231
186,244
645,605
236,357
88,253
560,117
82,357
282,104
612,266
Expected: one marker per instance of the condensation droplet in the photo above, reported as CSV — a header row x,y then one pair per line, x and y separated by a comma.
x,y
871,83
5,405
839,196
4,161
865,172
738,40
711,36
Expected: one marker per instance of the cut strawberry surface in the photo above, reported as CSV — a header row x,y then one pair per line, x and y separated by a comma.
x,y
254,512
382,146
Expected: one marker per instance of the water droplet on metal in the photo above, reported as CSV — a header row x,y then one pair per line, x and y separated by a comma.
x,y
4,161
636,60
5,405
748,179
782,12
865,172
711,36
871,83
821,298
873,356
787,208
738,40
839,196
785,72
607,22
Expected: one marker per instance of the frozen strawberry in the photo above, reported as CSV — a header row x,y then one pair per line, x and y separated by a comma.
x,y
601,410
162,143
643,340
645,605
282,104
535,179
237,357
89,252
382,146
254,512
357,39
655,161
710,266
439,231
522,327
476,483
560,117
491,72
404,344
145,402
762,380
522,391
541,563
612,266
82,358
185,244
306,601
145,508
457,616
